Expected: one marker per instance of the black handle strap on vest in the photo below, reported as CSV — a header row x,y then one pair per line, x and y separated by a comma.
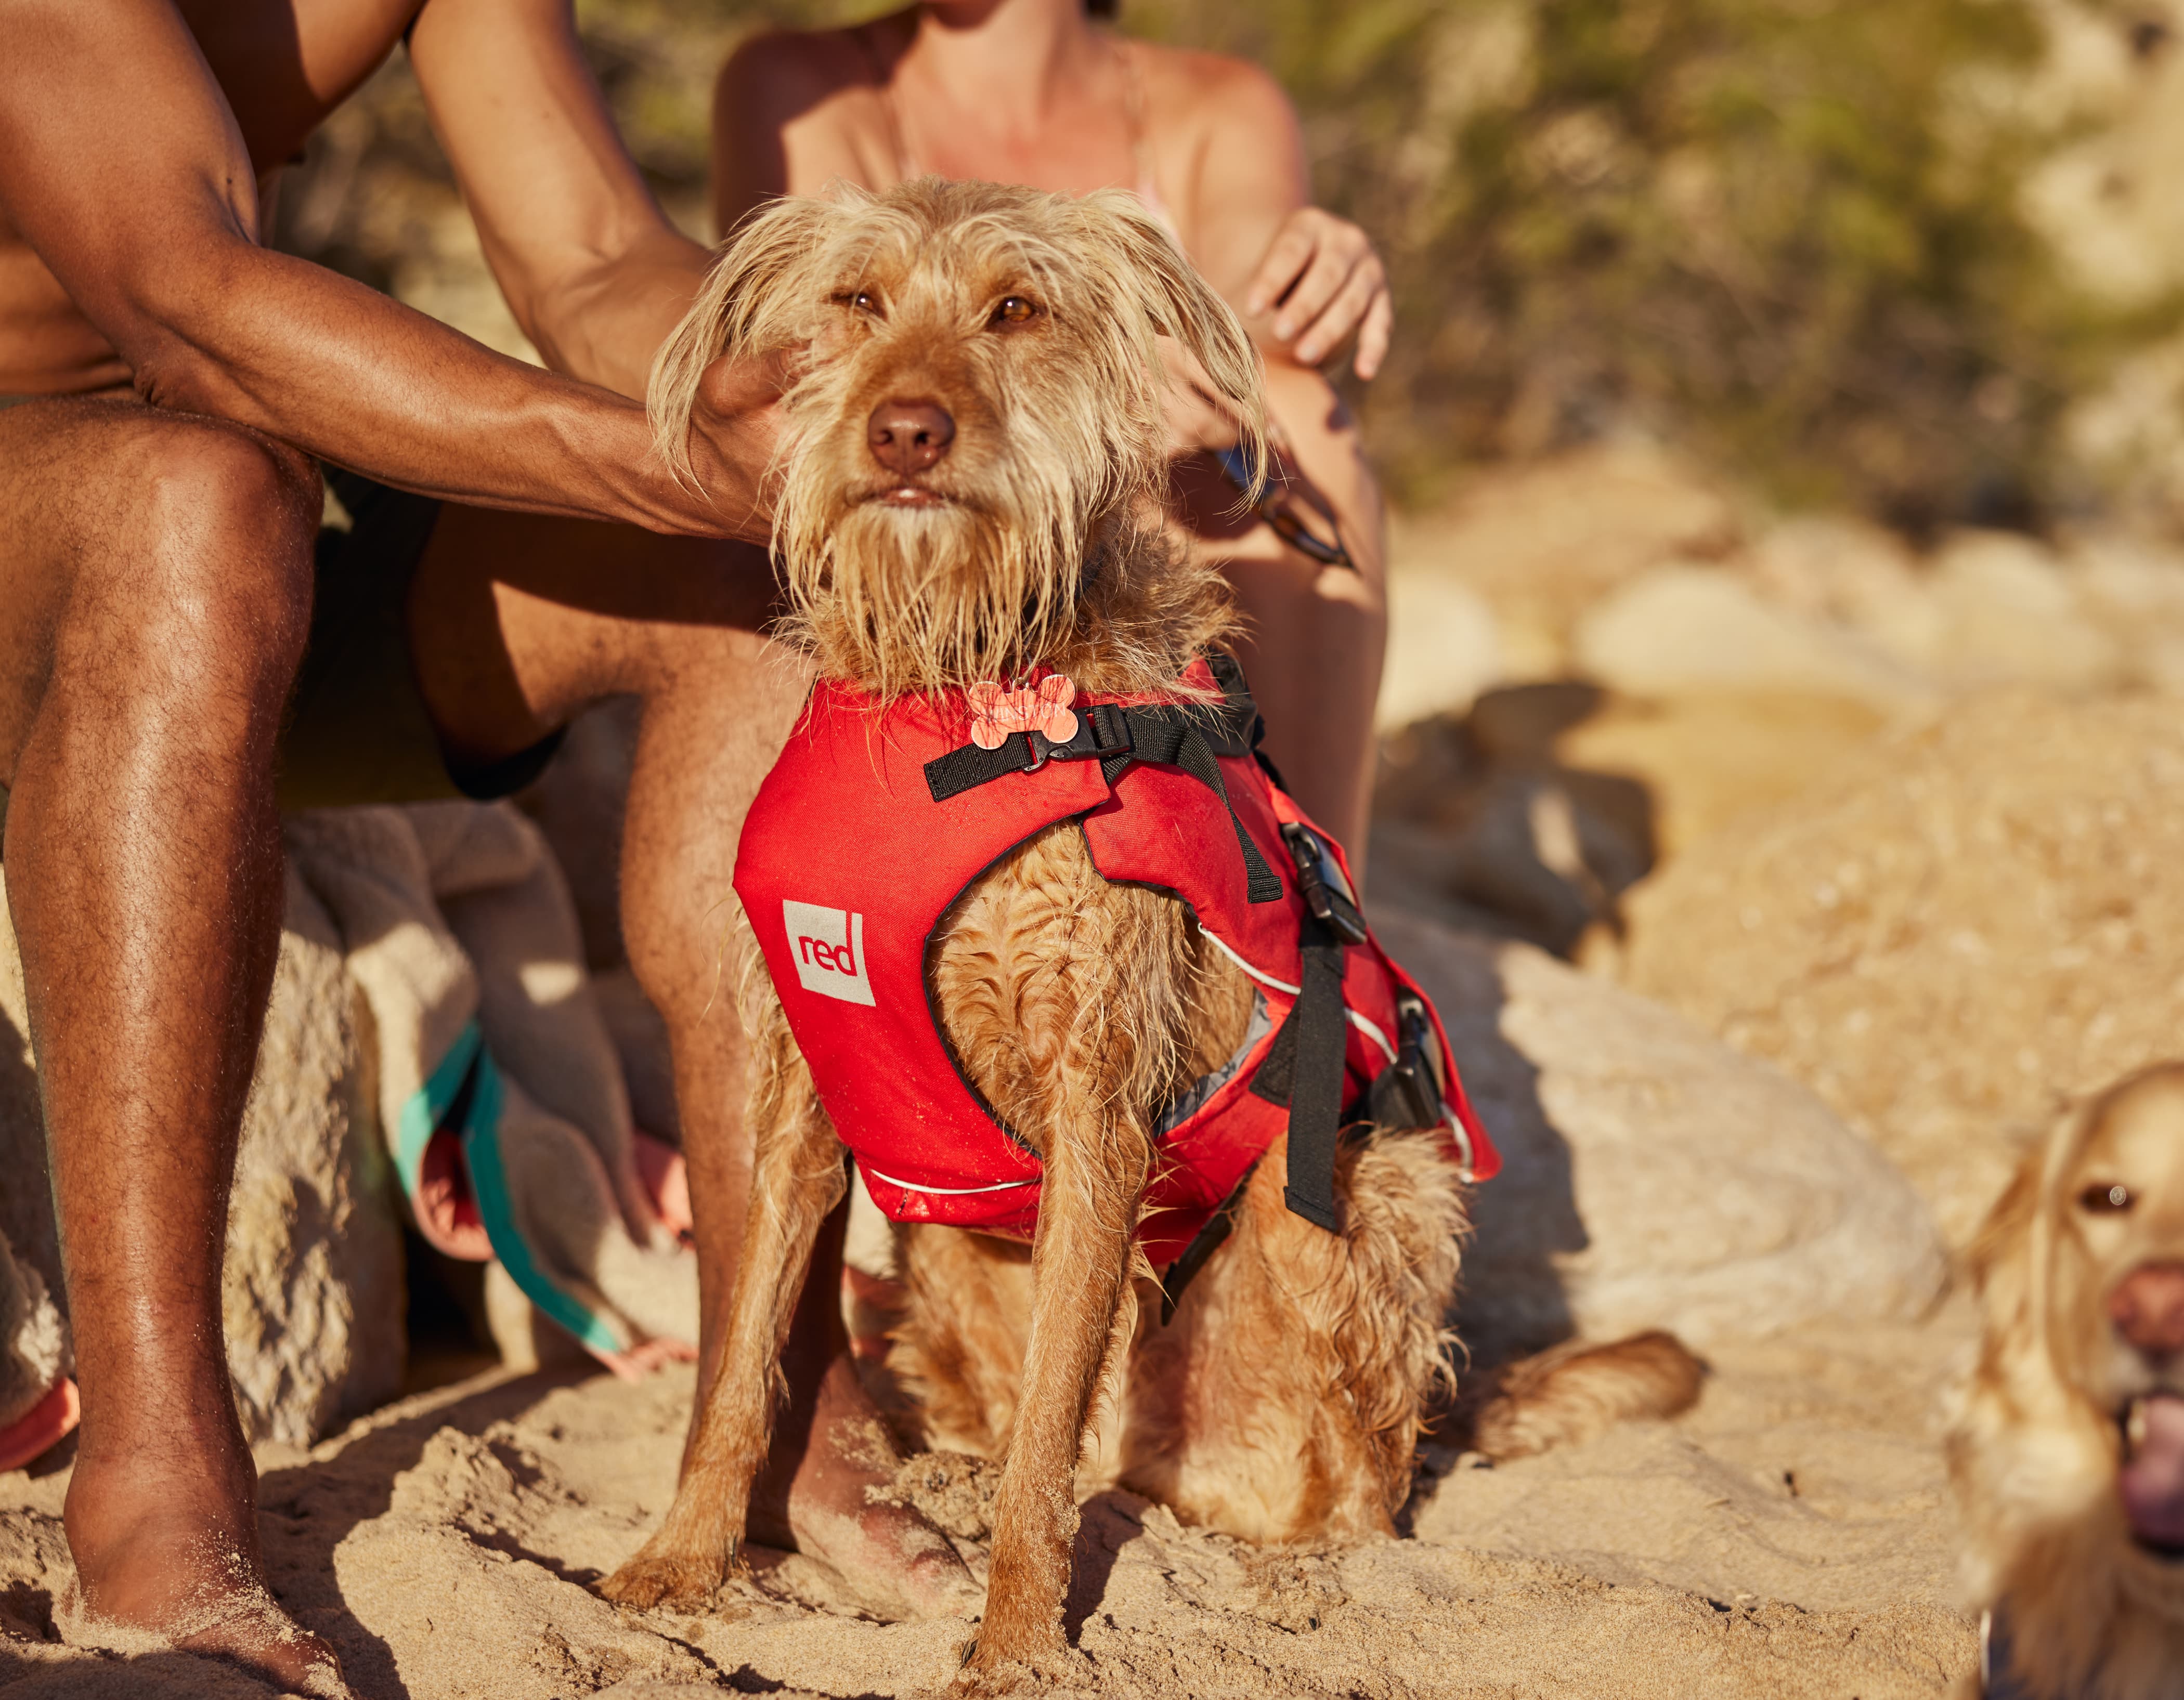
x,y
1187,736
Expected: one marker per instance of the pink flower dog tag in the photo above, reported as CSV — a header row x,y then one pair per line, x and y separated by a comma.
x,y
1044,707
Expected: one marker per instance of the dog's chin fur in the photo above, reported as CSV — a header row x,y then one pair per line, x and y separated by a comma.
x,y
2034,1443
915,599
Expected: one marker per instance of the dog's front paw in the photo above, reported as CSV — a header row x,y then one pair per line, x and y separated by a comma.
x,y
1000,1662
684,1580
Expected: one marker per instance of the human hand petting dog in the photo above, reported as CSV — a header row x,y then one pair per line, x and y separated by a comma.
x,y
734,426
1324,280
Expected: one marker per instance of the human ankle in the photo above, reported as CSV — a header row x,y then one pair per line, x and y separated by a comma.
x,y
146,1543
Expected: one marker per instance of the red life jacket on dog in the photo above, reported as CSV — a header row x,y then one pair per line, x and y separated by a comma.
x,y
875,819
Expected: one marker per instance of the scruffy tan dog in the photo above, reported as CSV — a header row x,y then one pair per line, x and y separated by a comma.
x,y
973,474
2068,1450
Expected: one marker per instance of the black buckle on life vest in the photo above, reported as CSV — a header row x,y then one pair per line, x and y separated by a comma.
x,y
1410,1092
1103,732
1326,893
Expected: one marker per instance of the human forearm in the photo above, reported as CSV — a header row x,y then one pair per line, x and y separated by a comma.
x,y
1320,433
349,376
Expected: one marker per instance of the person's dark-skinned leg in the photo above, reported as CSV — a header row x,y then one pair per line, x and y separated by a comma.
x,y
154,593
516,623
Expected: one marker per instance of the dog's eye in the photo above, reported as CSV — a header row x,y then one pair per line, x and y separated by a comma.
x,y
860,300
1017,310
2103,1197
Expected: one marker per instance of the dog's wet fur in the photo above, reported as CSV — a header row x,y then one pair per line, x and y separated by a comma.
x,y
2066,1431
970,489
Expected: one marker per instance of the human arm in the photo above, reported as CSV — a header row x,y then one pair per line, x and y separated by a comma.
x,y
595,275
122,163
1305,278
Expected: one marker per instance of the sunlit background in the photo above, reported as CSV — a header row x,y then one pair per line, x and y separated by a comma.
x,y
1913,256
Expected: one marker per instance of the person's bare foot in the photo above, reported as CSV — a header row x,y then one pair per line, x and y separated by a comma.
x,y
829,1492
163,1565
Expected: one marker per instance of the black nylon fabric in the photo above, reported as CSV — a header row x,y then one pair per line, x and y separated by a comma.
x,y
1204,1244
1316,1082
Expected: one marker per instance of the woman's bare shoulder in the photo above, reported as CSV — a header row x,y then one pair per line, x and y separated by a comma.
x,y
1186,87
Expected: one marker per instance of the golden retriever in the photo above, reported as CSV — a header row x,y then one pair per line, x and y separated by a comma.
x,y
2067,1451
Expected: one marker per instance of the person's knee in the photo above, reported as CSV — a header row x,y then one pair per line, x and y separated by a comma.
x,y
222,559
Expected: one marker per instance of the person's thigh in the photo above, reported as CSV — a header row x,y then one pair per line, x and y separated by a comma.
x,y
517,621
118,533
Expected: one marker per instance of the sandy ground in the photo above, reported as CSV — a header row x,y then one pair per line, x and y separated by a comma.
x,y
1789,1537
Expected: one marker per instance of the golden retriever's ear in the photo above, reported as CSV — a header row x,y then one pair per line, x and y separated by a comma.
x,y
1182,305
755,301
2008,1224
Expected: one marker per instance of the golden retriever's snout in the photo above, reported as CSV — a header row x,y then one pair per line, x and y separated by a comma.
x,y
2147,1309
907,437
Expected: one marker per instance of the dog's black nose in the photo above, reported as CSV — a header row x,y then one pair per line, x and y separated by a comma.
x,y
909,436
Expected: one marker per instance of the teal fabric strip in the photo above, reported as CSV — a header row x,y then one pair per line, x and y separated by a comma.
x,y
428,1107
489,1185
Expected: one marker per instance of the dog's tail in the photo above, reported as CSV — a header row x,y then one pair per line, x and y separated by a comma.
x,y
1572,1391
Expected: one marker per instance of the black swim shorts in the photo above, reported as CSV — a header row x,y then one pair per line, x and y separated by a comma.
x,y
358,730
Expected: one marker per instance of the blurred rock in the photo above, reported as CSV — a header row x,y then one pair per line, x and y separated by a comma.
x,y
1680,628
2107,201
2009,612
1444,647
1706,758
1971,923
311,1293
2135,588
1652,1177
1542,542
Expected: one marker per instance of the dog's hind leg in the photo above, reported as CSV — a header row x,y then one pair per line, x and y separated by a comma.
x,y
960,1347
1283,1401
798,1177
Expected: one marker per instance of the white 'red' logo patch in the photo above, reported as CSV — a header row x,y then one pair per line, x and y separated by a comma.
x,y
829,949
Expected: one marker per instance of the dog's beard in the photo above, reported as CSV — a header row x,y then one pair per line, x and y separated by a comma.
x,y
901,597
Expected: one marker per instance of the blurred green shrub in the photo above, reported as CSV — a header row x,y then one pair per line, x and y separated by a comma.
x,y
1783,232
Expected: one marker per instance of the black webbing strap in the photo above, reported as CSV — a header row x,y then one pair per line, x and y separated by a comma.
x,y
1204,1244
1176,737
1188,737
1316,1078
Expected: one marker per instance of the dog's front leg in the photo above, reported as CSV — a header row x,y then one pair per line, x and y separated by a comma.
x,y
1080,1275
797,1178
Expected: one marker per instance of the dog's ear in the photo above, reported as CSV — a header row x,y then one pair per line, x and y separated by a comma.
x,y
755,300
1181,305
